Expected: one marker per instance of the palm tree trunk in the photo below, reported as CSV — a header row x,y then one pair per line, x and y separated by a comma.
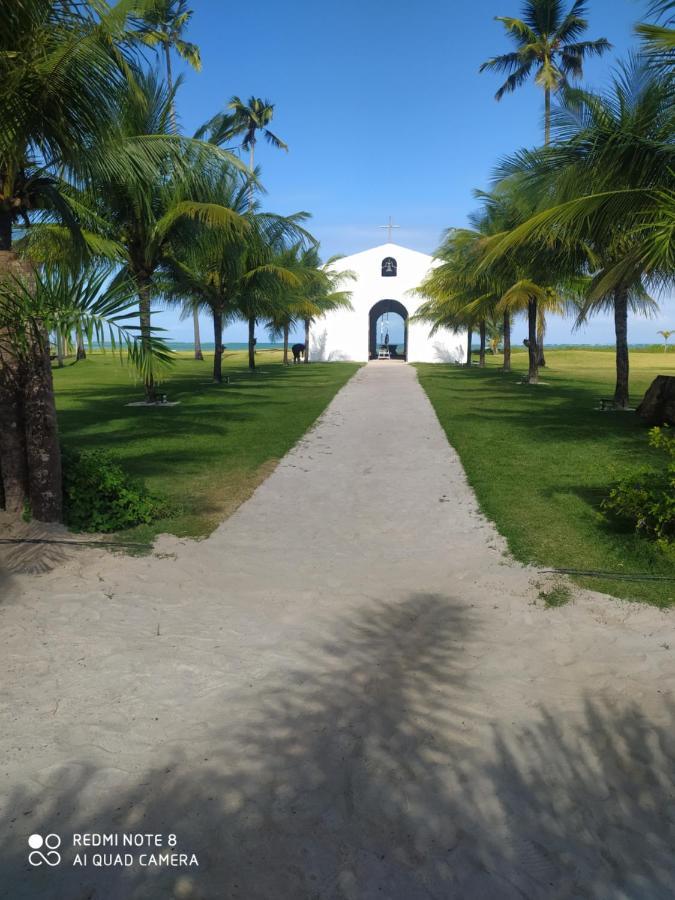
x,y
198,341
81,352
251,342
251,193
469,336
547,116
481,358
143,283
306,353
507,342
169,81
532,349
5,231
43,453
218,344
286,330
541,332
621,392
60,351
13,465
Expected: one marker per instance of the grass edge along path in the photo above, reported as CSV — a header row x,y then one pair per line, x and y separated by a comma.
x,y
207,455
541,458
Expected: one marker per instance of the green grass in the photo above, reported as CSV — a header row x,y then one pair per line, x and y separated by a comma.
x,y
541,458
207,455
558,595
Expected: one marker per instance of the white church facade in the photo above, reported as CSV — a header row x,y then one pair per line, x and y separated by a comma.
x,y
379,324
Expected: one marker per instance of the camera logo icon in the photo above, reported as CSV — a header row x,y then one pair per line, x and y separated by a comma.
x,y
44,850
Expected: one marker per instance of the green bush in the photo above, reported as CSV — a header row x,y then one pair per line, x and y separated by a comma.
x,y
645,500
99,495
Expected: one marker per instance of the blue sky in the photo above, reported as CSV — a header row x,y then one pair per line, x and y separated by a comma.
x,y
384,112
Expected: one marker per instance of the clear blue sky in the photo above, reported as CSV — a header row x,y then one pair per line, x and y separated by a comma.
x,y
384,112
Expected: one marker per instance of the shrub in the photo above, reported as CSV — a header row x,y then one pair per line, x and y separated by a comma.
x,y
645,500
99,495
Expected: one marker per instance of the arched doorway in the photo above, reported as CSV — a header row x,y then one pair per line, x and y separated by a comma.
x,y
388,317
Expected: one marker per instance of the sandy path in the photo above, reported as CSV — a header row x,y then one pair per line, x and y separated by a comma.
x,y
346,692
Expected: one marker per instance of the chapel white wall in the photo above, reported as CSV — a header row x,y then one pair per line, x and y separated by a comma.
x,y
343,334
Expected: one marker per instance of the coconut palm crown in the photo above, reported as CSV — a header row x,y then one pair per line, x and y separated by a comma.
x,y
547,46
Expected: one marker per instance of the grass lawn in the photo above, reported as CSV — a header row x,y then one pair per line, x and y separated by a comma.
x,y
207,455
541,459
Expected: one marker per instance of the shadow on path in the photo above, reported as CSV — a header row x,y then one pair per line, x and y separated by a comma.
x,y
369,770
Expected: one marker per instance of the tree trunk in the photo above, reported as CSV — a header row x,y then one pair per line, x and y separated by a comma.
x,y
469,336
198,342
621,392
60,351
533,349
541,359
144,301
251,342
218,343
482,330
251,193
286,329
169,79
30,455
13,467
547,117
81,352
5,231
43,454
541,332
507,342
306,353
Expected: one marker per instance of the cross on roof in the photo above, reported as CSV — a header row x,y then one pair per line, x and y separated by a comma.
x,y
389,228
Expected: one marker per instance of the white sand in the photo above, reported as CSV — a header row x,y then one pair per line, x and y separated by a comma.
x,y
346,692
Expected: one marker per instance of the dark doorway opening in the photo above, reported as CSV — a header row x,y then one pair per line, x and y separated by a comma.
x,y
376,340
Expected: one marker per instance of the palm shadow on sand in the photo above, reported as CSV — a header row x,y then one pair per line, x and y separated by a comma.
x,y
356,774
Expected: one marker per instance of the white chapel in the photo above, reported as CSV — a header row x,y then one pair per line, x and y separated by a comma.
x,y
378,326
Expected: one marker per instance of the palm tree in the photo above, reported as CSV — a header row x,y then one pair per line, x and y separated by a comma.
x,y
164,26
451,289
659,36
62,68
146,216
547,47
248,119
263,276
665,334
608,186
55,300
236,274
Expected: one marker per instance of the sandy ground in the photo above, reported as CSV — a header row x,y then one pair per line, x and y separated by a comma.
x,y
348,691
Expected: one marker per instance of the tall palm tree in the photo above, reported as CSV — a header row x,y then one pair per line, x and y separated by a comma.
x,y
62,68
608,189
547,46
56,300
248,119
237,274
146,216
164,26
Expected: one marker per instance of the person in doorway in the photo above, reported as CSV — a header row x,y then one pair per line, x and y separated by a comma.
x,y
297,350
